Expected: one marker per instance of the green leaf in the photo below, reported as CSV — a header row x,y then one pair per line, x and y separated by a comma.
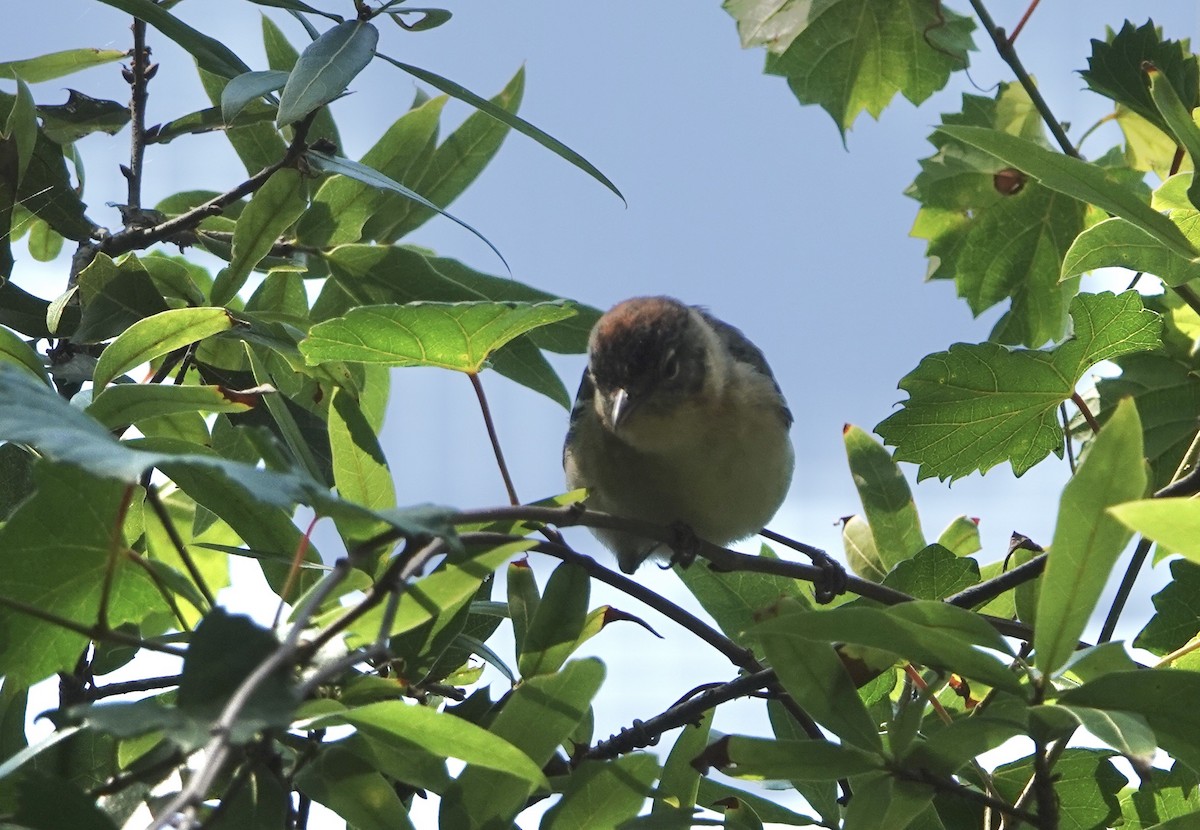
x,y
457,336
1115,69
1121,244
1177,611
55,551
1127,733
521,361
156,336
21,127
45,243
680,782
540,714
735,600
1172,522
1161,696
325,68
45,801
243,89
429,19
977,405
368,274
344,205
1087,540
802,760
440,733
454,165
437,597
46,191
813,674
523,600
362,173
558,621
882,802
57,64
519,124
886,498
931,633
271,211
360,469
129,403
1085,784
208,120
16,351
1078,179
934,573
257,144
210,54
961,536
948,749
854,55
114,296
603,793
997,241
1178,117
349,786
82,116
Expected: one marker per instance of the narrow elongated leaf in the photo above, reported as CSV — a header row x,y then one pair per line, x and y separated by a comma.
x,y
360,469
1119,243
1127,733
344,204
815,677
346,167
886,498
452,167
245,88
1173,523
442,734
16,351
558,621
519,124
272,210
802,760
540,714
349,786
156,336
325,68
57,64
1087,539
128,403
82,115
212,55
603,793
457,336
680,782
1178,117
1078,179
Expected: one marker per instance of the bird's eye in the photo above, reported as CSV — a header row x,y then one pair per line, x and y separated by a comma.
x,y
670,367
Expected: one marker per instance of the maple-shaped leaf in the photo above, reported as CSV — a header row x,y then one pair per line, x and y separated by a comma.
x,y
998,234
978,405
1115,69
854,55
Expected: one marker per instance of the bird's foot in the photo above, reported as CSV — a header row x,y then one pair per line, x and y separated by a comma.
x,y
685,545
832,581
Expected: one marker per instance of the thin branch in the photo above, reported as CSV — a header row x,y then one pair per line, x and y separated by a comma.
x,y
116,544
137,238
92,632
987,591
218,748
164,518
1008,54
948,785
495,439
1189,296
1066,424
1021,23
138,75
646,733
145,684
294,570
1086,412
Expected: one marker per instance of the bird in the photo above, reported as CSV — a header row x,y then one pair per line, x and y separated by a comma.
x,y
678,420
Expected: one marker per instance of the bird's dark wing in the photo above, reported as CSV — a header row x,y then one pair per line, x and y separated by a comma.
x,y
745,351
583,403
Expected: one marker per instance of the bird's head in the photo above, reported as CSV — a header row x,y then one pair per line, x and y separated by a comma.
x,y
650,361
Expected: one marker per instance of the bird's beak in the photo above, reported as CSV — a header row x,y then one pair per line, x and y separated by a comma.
x,y
619,408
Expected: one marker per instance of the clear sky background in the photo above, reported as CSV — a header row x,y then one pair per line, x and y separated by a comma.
x,y
739,199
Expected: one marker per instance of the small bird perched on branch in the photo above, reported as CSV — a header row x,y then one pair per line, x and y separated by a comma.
x,y
678,419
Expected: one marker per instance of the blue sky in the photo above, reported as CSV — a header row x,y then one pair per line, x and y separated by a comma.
x,y
739,199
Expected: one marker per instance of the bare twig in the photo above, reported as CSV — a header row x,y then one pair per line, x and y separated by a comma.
x,y
138,75
160,510
495,439
116,544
